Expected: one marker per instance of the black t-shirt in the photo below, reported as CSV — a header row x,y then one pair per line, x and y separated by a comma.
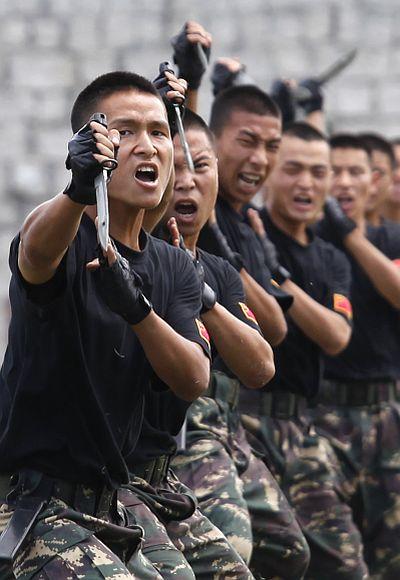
x,y
164,411
374,348
74,373
243,240
323,272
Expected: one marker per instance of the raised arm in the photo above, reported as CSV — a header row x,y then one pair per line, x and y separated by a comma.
x,y
192,46
51,227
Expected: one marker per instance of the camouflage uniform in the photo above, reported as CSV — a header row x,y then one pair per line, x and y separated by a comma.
x,y
365,437
309,474
232,485
203,551
65,544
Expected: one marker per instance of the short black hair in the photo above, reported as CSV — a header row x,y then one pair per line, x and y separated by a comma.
x,y
192,120
395,141
304,131
103,86
349,141
377,142
247,98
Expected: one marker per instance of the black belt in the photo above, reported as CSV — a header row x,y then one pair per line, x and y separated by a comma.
x,y
276,404
223,388
153,471
357,393
27,493
94,501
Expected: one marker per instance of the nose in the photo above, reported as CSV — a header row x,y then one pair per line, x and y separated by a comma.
x,y
259,157
342,179
305,180
184,179
144,145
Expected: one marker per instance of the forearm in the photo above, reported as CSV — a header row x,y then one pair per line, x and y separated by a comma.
x,y
317,120
192,99
323,326
242,348
384,275
266,309
178,362
46,235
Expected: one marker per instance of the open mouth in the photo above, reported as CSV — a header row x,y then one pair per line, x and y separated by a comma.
x,y
250,178
146,174
303,201
345,199
185,208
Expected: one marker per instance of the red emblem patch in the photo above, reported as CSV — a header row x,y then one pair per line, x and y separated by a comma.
x,y
203,331
247,312
343,305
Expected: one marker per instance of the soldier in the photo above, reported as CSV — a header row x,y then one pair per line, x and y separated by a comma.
x,y
317,275
85,340
391,207
247,128
383,166
358,409
216,452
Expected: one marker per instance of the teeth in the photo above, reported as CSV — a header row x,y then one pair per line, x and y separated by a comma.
x,y
251,178
146,169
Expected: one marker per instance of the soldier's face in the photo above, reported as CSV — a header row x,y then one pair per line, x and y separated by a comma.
x,y
395,192
351,181
145,152
246,151
381,188
194,193
300,180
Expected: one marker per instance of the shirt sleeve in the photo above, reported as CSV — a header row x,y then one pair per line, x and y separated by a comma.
x,y
183,313
338,297
233,297
40,295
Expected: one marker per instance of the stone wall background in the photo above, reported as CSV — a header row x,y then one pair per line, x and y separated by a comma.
x,y
49,49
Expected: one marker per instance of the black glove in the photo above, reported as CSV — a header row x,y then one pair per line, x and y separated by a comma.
x,y
315,100
120,288
278,272
162,86
83,166
338,223
222,78
187,58
284,98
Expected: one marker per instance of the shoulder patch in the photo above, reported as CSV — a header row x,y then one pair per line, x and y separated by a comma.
x,y
247,312
203,332
343,305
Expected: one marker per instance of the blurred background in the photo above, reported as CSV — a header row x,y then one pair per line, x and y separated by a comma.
x,y
49,49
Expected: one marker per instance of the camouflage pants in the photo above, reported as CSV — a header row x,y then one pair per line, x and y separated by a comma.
x,y
309,474
238,493
167,561
367,442
186,549
62,549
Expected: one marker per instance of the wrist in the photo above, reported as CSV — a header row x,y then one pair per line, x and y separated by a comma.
x,y
280,275
141,310
82,194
